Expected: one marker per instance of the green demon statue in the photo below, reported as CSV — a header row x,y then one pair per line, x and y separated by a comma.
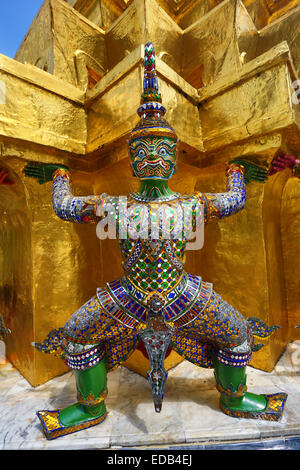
x,y
155,301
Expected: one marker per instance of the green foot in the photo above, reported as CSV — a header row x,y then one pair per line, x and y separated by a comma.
x,y
77,414
249,403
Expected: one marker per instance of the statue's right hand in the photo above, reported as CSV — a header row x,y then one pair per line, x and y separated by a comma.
x,y
43,172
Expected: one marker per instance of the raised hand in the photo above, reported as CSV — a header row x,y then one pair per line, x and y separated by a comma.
x,y
43,172
281,162
252,170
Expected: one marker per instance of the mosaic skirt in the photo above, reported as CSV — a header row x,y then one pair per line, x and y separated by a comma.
x,y
219,325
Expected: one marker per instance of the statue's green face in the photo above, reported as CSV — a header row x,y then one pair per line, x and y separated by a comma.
x,y
153,157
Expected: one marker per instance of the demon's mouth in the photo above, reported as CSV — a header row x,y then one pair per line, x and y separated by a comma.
x,y
153,163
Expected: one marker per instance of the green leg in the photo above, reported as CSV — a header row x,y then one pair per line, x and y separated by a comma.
x,y
235,400
91,390
89,410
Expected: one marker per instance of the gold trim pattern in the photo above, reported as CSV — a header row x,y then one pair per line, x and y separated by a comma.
x,y
240,392
165,132
53,428
91,400
273,411
61,172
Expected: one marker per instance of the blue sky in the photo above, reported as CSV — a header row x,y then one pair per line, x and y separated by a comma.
x,y
15,19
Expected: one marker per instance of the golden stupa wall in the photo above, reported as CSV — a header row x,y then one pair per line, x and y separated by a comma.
x,y
33,98
63,42
290,230
226,71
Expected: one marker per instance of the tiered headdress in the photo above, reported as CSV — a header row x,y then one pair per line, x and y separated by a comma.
x,y
151,111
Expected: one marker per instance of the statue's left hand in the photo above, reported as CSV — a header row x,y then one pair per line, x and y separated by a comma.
x,y
43,172
281,162
252,170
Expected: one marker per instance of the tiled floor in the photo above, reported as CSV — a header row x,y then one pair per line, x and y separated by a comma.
x,y
190,416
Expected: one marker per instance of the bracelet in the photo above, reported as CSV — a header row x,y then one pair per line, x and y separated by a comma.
x,y
61,172
235,167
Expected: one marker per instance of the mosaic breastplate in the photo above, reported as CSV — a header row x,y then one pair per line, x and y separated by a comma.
x,y
152,237
154,277
153,265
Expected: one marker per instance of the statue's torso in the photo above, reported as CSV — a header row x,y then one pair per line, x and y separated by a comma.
x,y
153,237
154,274
153,265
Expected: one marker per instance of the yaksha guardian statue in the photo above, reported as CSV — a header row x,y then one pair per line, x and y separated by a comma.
x,y
155,301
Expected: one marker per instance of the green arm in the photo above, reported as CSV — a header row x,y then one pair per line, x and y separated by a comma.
x,y
43,172
66,206
252,170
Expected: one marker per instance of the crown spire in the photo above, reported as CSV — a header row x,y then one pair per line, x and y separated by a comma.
x,y
151,110
151,98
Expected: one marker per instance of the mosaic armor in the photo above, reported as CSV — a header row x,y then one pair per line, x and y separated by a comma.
x,y
154,274
155,301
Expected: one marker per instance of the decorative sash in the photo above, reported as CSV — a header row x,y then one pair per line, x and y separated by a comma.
x,y
121,300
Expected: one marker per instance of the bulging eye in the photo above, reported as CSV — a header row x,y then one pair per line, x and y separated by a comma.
x,y
141,153
162,152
